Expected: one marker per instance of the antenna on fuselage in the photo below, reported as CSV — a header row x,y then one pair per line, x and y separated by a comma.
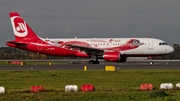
x,y
75,37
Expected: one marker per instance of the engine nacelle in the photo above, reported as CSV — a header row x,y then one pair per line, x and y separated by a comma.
x,y
113,57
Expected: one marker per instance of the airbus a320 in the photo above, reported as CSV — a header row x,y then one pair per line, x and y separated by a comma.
x,y
109,49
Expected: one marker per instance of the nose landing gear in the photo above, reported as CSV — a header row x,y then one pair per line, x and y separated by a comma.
x,y
151,62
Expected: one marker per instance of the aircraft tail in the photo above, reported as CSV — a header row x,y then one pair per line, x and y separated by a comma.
x,y
21,29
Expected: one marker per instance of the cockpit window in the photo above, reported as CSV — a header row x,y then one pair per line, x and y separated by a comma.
x,y
162,43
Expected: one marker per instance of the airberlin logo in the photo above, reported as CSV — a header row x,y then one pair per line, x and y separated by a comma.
x,y
19,26
110,40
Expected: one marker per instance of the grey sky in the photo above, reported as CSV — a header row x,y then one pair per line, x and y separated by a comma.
x,y
95,18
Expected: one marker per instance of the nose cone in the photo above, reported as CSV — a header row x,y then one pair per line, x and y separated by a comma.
x,y
170,49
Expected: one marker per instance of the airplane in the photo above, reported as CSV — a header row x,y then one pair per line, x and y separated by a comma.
x,y
109,49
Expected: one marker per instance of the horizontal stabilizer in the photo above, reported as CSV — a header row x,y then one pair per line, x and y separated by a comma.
x,y
15,42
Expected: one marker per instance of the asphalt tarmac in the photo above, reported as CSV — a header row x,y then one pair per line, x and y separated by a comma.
x,y
129,65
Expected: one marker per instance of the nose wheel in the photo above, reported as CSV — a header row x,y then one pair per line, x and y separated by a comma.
x,y
151,62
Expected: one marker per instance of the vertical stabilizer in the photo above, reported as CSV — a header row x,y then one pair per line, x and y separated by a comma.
x,y
21,29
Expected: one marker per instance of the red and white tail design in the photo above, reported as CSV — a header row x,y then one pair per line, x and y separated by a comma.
x,y
21,29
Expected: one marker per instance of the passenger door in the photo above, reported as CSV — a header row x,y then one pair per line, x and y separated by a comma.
x,y
150,44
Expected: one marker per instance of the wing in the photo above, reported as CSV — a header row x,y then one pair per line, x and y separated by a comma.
x,y
94,51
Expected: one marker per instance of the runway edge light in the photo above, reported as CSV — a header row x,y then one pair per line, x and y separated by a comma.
x,y
85,68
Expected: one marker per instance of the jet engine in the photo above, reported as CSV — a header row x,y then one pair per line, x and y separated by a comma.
x,y
113,57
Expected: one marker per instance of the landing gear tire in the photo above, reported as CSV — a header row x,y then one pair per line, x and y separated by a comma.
x,y
151,63
93,62
96,62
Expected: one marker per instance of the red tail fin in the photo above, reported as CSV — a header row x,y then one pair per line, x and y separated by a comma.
x,y
21,29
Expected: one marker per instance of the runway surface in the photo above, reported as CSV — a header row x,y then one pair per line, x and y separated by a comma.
x,y
129,65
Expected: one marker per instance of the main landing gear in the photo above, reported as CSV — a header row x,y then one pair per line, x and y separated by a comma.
x,y
93,62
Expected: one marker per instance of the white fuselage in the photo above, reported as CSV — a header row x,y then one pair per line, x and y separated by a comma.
x,y
149,46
